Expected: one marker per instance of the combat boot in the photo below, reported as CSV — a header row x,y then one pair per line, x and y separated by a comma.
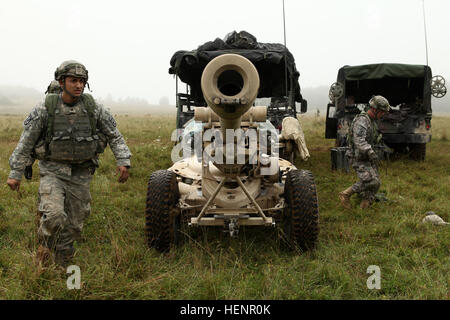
x,y
43,256
364,204
344,196
64,257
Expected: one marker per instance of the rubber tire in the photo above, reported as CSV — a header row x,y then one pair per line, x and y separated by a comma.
x,y
301,215
162,216
417,151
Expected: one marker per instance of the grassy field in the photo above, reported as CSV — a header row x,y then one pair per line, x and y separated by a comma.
x,y
116,264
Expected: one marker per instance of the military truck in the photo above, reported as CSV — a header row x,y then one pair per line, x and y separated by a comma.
x,y
279,90
230,181
407,127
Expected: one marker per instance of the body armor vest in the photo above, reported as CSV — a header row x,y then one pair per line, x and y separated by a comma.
x,y
73,139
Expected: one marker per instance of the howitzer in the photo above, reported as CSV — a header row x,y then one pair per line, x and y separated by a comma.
x,y
231,182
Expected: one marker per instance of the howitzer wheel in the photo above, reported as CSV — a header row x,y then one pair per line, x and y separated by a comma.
x,y
301,215
162,216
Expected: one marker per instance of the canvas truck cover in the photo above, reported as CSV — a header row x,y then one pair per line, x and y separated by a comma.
x,y
397,82
269,59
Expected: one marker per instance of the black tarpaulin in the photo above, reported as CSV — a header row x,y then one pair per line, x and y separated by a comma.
x,y
382,70
399,83
270,59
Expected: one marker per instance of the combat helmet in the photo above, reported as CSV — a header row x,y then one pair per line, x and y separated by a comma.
x,y
379,102
71,68
54,87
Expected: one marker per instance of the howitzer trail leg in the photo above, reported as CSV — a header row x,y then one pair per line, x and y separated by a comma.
x,y
211,199
258,208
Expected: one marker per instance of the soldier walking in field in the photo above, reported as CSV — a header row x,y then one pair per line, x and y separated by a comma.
x,y
66,133
362,137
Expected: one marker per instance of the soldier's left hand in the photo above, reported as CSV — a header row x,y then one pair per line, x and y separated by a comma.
x,y
13,184
123,171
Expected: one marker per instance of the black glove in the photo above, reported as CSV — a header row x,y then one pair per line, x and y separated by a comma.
x,y
28,173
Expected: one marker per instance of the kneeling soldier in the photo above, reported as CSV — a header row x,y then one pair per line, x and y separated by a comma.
x,y
363,135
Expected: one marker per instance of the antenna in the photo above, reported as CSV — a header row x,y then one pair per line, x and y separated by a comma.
x,y
425,29
284,25
285,62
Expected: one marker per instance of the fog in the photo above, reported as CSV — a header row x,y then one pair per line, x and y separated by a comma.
x,y
127,45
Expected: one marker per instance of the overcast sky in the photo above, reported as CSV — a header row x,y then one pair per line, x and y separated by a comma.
x,y
127,45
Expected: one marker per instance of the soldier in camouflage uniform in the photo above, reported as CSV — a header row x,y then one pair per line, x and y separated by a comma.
x,y
53,87
363,135
66,134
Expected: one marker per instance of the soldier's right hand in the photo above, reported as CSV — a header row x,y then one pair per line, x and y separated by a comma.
x,y
13,184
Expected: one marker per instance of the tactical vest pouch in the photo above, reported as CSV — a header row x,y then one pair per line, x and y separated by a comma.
x,y
85,149
73,143
39,150
72,150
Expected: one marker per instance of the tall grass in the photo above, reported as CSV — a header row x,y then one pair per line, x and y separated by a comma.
x,y
116,264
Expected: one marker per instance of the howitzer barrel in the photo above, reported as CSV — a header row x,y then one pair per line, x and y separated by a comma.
x,y
230,84
256,114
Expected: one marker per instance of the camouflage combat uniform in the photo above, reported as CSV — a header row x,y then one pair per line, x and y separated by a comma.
x,y
364,135
64,197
